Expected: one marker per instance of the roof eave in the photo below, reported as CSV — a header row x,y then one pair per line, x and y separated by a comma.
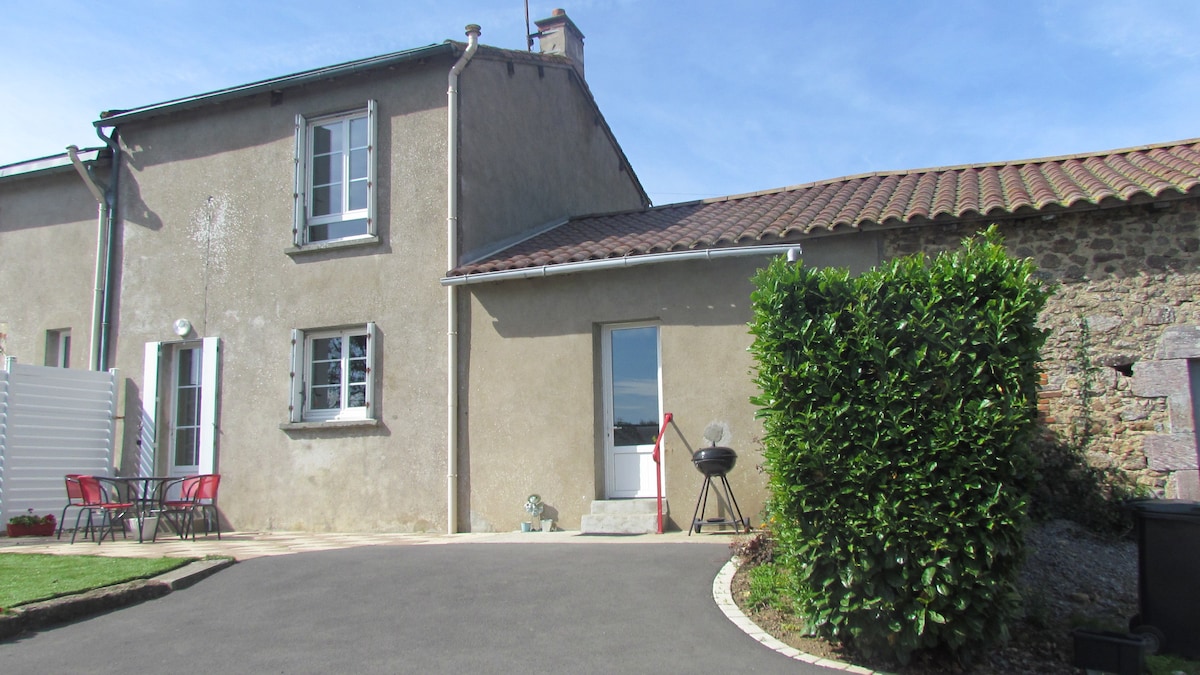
x,y
274,84
45,165
619,263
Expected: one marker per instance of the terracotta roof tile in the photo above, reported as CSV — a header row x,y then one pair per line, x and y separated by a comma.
x,y
902,197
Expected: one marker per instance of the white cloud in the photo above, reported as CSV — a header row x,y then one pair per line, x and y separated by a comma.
x,y
1155,32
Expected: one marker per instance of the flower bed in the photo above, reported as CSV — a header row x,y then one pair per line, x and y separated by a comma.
x,y
40,530
31,525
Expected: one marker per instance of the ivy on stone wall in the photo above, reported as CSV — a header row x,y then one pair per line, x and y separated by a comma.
x,y
898,409
1068,485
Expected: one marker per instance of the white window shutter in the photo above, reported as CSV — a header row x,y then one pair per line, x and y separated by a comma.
x,y
372,161
296,396
209,369
148,426
372,347
300,212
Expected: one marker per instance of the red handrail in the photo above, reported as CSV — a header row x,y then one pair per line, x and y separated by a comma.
x,y
658,466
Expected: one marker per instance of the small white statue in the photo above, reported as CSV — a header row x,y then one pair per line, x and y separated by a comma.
x,y
533,506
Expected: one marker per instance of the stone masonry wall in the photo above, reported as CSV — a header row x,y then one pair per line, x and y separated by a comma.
x,y
1124,319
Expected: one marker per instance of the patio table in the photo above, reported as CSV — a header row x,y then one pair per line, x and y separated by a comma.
x,y
142,492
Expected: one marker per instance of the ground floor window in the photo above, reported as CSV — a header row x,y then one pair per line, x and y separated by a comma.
x,y
58,348
332,374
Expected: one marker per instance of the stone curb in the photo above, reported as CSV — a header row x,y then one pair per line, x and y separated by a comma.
x,y
723,596
71,607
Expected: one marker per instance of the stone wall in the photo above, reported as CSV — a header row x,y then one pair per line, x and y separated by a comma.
x,y
1123,321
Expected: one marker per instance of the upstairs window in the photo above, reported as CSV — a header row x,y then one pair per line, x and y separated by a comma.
x,y
335,177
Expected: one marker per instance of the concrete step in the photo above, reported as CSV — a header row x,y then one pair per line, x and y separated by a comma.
x,y
629,506
619,523
623,516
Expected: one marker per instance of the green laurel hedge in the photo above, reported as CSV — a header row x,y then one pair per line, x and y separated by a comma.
x,y
898,409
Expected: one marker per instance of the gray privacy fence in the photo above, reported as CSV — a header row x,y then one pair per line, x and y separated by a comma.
x,y
53,421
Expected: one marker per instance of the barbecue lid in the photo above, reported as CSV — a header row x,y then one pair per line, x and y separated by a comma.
x,y
714,460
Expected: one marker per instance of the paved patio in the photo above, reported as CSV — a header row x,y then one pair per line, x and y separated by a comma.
x,y
249,545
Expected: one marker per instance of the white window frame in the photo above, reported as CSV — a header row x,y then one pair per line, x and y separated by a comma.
x,y
58,348
173,398
302,218
299,409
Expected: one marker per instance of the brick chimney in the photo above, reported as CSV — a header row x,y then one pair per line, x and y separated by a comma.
x,y
560,35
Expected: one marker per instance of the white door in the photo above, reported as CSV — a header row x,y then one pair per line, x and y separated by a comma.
x,y
184,429
182,378
632,409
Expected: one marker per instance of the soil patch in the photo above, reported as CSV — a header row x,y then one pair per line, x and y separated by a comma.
x,y
1071,579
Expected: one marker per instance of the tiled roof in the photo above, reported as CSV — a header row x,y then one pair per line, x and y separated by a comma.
x,y
904,197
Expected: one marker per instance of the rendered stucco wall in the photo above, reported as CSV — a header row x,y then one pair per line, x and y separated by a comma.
x,y
534,406
47,264
207,206
207,228
546,159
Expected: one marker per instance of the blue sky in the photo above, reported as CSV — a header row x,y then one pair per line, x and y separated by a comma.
x,y
706,97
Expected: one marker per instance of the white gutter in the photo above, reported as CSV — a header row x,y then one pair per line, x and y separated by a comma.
x,y
791,250
45,163
473,32
101,256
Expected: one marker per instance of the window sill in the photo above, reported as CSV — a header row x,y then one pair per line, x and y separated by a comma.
x,y
317,247
327,425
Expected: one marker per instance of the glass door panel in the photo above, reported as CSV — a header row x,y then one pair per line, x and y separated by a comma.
x,y
185,411
632,409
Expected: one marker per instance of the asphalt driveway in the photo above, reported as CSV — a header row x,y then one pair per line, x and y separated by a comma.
x,y
463,608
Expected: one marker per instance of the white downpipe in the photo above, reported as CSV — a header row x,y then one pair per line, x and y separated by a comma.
x,y
101,257
793,251
473,32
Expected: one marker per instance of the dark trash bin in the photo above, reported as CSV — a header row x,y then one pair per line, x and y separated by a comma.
x,y
1109,652
1168,536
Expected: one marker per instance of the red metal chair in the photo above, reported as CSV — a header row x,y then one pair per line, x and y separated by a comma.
x,y
96,499
196,494
74,500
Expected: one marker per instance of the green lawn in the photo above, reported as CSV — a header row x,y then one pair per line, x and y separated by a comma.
x,y
29,577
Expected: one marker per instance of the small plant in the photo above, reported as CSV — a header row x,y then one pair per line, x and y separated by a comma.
x,y
754,549
30,519
770,587
1165,664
